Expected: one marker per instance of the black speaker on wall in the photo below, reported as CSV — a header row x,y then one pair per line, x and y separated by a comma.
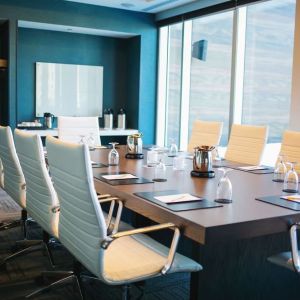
x,y
200,50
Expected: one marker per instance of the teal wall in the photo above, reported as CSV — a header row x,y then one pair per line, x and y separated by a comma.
x,y
137,92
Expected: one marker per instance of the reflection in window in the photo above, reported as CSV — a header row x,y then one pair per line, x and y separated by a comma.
x,y
211,70
268,65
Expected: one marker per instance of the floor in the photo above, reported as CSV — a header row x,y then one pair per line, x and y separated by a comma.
x,y
23,275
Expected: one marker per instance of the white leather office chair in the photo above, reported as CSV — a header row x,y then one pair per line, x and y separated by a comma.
x,y
73,129
246,144
12,178
290,147
42,200
117,259
205,133
289,259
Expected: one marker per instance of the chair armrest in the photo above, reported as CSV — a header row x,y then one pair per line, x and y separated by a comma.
x,y
105,244
55,209
294,245
108,198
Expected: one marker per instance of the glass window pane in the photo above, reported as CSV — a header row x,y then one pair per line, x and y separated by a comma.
x,y
268,65
211,71
174,83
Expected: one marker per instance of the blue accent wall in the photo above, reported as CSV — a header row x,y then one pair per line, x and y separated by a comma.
x,y
132,82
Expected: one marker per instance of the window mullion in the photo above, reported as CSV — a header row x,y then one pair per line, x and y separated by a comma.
x,y
185,83
238,66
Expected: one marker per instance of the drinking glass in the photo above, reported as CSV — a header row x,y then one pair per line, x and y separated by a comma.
x,y
290,184
152,158
280,170
160,172
91,140
179,163
82,139
113,155
224,189
173,150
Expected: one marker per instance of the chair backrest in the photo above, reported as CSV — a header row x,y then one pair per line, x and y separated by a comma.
x,y
81,223
72,129
14,181
205,133
246,144
290,147
40,194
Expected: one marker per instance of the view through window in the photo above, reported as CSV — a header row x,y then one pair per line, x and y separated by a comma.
x,y
265,59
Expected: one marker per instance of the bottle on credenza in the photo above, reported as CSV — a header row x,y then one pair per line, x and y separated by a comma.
x,y
108,118
121,119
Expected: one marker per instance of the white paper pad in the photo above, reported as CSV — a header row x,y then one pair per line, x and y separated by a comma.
x,y
252,168
119,176
177,198
294,198
99,147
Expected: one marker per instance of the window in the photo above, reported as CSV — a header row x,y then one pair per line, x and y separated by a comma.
x,y
268,65
210,74
233,66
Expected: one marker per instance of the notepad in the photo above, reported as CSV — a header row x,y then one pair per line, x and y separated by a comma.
x,y
252,168
294,198
119,176
177,198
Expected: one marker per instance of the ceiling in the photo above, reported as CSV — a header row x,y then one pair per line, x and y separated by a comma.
x,y
150,6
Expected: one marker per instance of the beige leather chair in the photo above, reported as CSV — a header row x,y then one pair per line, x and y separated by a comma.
x,y
290,147
205,133
73,129
116,259
246,144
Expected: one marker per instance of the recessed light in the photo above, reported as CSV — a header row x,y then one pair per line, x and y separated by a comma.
x,y
127,5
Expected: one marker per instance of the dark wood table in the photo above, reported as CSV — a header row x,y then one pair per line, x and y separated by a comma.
x,y
231,242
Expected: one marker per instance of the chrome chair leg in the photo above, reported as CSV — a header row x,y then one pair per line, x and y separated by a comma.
x,y
13,224
19,253
125,292
71,277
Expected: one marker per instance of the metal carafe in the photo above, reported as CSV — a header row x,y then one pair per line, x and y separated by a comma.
x,y
135,144
202,161
48,120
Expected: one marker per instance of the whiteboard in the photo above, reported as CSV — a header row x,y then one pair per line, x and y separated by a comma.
x,y
69,90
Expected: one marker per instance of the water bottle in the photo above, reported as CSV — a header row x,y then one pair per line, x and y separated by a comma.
x,y
108,118
121,119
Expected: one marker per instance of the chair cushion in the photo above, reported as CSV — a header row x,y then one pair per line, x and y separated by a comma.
x,y
283,259
139,257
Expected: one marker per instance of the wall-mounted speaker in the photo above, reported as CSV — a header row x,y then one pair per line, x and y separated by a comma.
x,y
200,50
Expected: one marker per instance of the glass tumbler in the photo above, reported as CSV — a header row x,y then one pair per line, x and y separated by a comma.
x,y
160,172
173,150
290,184
179,163
280,170
113,155
152,158
224,189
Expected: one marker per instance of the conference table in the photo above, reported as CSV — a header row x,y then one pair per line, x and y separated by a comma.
x,y
231,242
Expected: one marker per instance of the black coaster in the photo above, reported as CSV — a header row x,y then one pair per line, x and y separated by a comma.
x,y
209,174
290,191
278,180
134,156
225,201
